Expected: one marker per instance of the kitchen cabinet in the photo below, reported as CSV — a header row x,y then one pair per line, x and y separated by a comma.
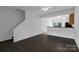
x,y
71,18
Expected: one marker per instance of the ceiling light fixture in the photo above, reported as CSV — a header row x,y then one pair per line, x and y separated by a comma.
x,y
46,8
59,16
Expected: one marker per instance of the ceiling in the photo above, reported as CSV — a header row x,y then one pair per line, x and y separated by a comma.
x,y
38,9
53,9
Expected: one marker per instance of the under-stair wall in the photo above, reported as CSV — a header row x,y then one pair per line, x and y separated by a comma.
x,y
9,19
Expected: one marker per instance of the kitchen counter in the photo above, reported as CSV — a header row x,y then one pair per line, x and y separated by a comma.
x,y
59,27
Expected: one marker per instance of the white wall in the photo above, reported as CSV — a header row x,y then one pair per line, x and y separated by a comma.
x,y
77,25
8,36
8,20
30,27
45,23
62,32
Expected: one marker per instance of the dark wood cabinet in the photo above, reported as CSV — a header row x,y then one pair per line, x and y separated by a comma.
x,y
71,18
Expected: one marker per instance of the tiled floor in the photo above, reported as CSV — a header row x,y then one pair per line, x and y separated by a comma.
x,y
40,43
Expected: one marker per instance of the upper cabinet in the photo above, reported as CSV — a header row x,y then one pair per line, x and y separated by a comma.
x,y
71,18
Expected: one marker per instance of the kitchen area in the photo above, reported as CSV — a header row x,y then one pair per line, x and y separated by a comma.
x,y
61,26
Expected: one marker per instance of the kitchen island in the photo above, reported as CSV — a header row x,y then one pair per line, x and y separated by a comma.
x,y
61,32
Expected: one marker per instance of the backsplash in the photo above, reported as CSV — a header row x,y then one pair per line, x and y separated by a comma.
x,y
57,24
